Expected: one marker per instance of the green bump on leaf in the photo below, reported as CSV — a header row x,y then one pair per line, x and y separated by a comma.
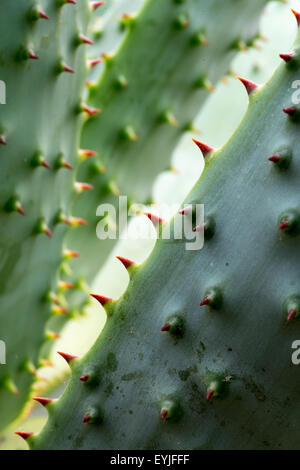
x,y
282,158
171,410
128,133
14,205
175,326
204,83
217,387
213,298
293,113
209,227
93,415
121,82
181,22
291,307
289,222
91,376
199,39
292,59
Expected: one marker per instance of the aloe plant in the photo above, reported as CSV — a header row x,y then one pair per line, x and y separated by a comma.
x,y
146,105
197,352
120,152
43,64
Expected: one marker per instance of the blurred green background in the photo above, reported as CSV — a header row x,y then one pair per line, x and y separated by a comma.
x,y
216,123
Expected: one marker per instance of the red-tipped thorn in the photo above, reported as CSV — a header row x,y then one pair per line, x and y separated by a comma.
x,y
3,140
199,228
291,314
250,86
101,299
205,301
68,69
58,310
65,220
94,62
45,363
20,209
166,327
186,210
89,84
72,1
71,254
125,261
84,378
106,55
76,221
290,111
80,187
43,15
284,224
275,158
96,5
205,149
297,16
66,285
24,435
32,55
154,218
85,40
52,335
45,164
46,230
87,418
127,16
67,165
43,401
209,394
163,414
85,153
287,57
67,357
90,111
